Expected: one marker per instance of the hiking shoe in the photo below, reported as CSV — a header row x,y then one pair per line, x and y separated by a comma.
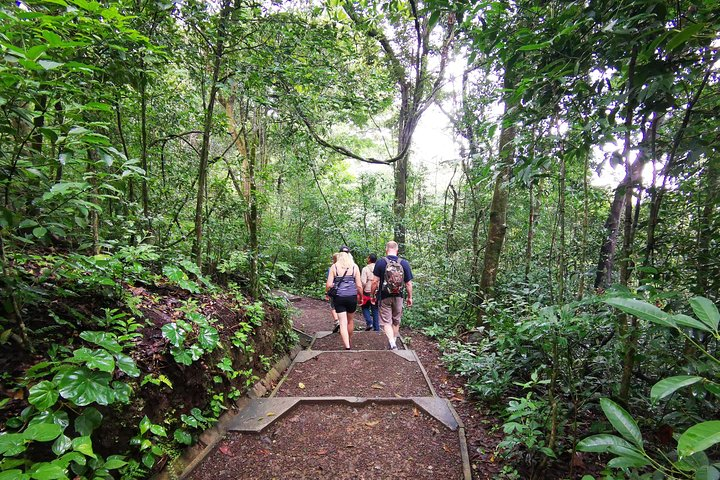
x,y
336,328
367,329
394,348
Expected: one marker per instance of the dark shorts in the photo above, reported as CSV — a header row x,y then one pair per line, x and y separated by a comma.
x,y
346,304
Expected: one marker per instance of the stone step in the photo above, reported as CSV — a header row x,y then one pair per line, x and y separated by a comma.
x,y
341,440
361,340
363,373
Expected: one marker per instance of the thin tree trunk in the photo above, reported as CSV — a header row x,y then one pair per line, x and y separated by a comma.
x,y
628,329
583,252
603,276
657,196
94,214
531,231
207,128
497,225
561,221
6,271
59,120
144,145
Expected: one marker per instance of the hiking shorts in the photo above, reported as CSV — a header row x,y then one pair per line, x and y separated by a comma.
x,y
346,304
391,310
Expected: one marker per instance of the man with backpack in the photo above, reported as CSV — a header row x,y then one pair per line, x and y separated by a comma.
x,y
392,277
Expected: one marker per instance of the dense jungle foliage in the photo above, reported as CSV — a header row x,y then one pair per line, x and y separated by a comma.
x,y
165,165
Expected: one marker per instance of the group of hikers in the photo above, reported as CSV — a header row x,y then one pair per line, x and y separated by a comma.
x,y
379,289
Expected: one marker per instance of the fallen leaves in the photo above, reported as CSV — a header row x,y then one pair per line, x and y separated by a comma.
x,y
301,386
225,450
377,386
416,412
372,423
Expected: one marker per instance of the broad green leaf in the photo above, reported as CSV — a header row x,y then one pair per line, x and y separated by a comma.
x,y
126,364
114,462
158,430
12,444
59,418
83,386
684,35
188,420
629,452
688,321
98,359
123,392
181,436
145,425
208,338
622,421
642,310
88,421
707,472
148,460
39,232
174,333
48,471
76,457
706,311
42,432
84,446
667,386
601,443
61,445
182,356
49,64
43,395
699,438
628,462
713,388
535,46
106,340
13,474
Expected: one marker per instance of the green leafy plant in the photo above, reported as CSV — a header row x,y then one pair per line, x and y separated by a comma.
x,y
194,421
148,441
526,422
689,460
178,333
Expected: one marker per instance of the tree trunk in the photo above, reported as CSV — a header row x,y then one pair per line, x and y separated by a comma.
x,y
531,230
561,221
657,195
586,212
145,195
497,225
207,128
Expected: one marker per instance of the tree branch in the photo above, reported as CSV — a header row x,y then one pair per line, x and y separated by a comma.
x,y
344,151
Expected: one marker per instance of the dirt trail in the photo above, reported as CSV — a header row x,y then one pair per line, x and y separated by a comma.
x,y
367,413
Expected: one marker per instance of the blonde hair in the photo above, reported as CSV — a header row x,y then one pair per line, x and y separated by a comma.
x,y
334,257
344,261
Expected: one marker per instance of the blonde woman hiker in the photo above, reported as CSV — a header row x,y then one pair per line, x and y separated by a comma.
x,y
331,300
346,288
